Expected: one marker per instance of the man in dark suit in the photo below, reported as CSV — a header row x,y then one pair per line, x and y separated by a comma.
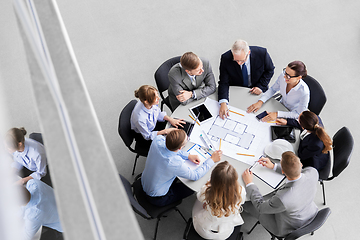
x,y
289,207
243,66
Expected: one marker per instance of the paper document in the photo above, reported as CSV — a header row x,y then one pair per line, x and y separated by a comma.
x,y
269,176
196,149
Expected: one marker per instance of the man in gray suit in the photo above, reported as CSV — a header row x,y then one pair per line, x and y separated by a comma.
x,y
190,80
291,206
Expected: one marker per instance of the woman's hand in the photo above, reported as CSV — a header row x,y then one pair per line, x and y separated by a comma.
x,y
270,117
255,107
281,121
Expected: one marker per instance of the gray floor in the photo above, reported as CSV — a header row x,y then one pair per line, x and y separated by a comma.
x,y
119,45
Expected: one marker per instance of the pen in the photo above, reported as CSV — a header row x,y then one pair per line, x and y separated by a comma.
x,y
206,145
243,154
194,120
236,112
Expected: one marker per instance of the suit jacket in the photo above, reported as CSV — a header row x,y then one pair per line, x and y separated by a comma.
x,y
310,149
261,71
290,207
180,80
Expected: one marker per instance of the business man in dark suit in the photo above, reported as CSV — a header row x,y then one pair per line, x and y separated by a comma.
x,y
292,205
190,80
243,66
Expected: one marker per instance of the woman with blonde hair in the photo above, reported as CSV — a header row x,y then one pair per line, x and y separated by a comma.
x,y
26,153
217,209
315,143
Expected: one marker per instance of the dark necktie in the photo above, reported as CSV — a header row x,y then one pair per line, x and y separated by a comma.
x,y
245,75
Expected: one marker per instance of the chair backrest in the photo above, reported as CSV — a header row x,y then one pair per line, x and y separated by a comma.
x,y
135,205
343,143
317,95
161,74
37,137
316,223
124,127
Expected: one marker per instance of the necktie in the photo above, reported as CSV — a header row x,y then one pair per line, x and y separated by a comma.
x,y
193,81
245,75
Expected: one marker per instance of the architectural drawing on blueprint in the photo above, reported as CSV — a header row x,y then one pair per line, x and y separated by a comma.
x,y
231,131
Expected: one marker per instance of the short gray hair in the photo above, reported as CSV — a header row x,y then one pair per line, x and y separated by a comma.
x,y
240,45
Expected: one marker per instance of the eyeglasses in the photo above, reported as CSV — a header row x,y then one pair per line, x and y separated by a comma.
x,y
288,75
242,61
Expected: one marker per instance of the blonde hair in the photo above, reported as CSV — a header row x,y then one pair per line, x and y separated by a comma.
x,y
14,136
223,192
146,93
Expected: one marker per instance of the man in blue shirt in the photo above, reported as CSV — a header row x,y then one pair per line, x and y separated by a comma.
x,y
39,208
165,162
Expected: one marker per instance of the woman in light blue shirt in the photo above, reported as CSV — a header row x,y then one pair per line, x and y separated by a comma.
x,y
146,116
295,93
26,153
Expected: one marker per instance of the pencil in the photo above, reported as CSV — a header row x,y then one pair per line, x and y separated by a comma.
x,y
271,121
236,112
243,154
194,120
220,145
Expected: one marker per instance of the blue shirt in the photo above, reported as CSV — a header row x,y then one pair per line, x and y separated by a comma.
x,y
41,209
163,166
144,120
33,158
296,100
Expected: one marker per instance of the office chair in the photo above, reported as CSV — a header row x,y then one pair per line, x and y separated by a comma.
x,y
162,80
141,206
314,225
37,137
317,95
191,234
343,144
128,135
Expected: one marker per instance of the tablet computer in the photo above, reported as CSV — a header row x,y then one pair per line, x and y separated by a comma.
x,y
283,132
201,111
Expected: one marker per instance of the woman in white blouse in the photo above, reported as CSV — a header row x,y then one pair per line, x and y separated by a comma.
x,y
295,92
26,153
217,209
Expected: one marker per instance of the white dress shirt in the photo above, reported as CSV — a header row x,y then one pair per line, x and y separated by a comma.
x,y
33,158
296,100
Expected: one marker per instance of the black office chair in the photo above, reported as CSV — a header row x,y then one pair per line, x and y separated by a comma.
x,y
317,95
142,207
162,80
191,234
314,225
128,135
343,144
37,137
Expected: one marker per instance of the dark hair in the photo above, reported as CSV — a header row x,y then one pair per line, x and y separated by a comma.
x,y
15,136
310,121
223,191
146,93
299,68
290,164
175,139
189,61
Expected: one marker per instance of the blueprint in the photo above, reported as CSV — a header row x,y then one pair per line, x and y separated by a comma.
x,y
239,133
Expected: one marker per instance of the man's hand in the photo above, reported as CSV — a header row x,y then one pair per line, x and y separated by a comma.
x,y
270,117
266,163
247,176
255,107
184,95
216,156
223,112
194,158
255,90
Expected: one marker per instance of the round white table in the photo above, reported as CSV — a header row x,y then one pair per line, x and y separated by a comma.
x,y
241,99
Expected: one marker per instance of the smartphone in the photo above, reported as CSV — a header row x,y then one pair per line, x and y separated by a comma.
x,y
261,115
